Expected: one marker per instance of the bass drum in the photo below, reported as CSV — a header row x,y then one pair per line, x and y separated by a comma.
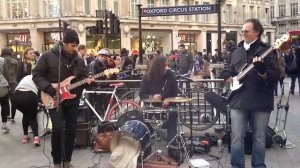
x,y
131,124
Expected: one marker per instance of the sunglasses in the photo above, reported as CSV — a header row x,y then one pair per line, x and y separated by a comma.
x,y
244,31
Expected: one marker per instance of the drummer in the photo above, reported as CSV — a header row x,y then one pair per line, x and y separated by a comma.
x,y
160,83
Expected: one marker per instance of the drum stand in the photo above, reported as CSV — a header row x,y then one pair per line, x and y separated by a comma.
x,y
180,140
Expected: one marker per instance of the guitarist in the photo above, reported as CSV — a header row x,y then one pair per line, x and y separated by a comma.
x,y
254,101
45,73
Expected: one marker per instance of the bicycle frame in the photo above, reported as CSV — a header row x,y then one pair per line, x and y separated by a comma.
x,y
113,95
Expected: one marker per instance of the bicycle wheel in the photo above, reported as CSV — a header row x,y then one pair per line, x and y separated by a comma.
x,y
118,109
132,95
204,115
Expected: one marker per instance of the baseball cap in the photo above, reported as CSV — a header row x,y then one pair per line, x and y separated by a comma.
x,y
103,52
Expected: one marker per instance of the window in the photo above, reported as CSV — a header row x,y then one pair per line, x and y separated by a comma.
x,y
101,4
134,9
281,10
165,3
244,13
282,28
87,7
177,17
228,13
272,12
294,9
252,12
116,7
268,20
17,8
294,26
54,8
205,16
150,5
258,12
197,16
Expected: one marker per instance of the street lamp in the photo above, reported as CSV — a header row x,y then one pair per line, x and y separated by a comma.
x,y
139,5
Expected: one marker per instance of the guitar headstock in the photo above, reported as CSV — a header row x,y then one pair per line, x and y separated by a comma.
x,y
110,71
282,43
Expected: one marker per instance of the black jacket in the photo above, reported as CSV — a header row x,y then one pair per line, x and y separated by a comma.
x,y
256,93
46,71
22,72
166,86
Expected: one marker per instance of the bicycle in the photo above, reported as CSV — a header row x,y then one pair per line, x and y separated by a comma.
x,y
204,115
116,107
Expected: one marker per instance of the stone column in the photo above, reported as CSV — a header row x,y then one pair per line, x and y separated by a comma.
x,y
3,40
202,40
125,37
175,38
37,39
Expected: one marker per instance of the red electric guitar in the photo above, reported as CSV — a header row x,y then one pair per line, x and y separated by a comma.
x,y
66,86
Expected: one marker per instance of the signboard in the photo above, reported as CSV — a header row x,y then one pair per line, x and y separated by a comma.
x,y
179,10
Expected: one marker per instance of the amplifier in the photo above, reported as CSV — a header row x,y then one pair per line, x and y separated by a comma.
x,y
82,134
83,114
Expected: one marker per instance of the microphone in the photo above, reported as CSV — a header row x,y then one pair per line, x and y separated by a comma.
x,y
216,101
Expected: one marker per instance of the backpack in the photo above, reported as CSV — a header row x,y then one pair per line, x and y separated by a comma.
x,y
3,82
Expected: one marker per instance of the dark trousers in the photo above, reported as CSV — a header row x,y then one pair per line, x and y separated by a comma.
x,y
69,114
276,86
171,125
27,103
13,109
4,108
293,78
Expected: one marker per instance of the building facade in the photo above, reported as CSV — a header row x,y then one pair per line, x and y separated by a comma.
x,y
35,23
285,16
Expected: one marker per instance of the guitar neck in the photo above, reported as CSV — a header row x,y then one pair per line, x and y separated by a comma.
x,y
82,82
243,73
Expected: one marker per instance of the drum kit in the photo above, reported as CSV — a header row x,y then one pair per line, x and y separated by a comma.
x,y
144,127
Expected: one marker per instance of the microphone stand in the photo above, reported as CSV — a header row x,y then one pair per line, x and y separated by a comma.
x,y
59,109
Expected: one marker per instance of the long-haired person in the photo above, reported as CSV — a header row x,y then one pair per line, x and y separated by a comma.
x,y
25,66
160,83
25,99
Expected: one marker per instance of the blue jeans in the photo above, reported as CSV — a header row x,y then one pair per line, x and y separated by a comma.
x,y
258,121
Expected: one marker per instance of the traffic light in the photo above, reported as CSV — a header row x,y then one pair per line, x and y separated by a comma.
x,y
93,30
112,20
99,26
116,26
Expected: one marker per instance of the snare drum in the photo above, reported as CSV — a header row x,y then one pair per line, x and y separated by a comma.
x,y
155,116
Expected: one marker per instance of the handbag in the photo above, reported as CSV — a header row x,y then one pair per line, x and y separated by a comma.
x,y
105,132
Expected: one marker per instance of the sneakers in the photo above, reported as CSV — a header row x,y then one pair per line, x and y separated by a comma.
x,y
68,165
4,130
57,166
25,139
36,141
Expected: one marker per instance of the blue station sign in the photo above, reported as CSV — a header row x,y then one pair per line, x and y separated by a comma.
x,y
179,10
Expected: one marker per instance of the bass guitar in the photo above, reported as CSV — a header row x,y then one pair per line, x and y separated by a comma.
x,y
66,87
236,85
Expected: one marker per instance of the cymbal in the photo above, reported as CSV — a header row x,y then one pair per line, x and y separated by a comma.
x,y
151,100
178,99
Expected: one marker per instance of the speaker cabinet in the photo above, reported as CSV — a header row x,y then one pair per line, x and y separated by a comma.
x,y
82,134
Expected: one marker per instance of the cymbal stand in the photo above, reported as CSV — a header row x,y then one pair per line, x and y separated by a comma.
x,y
179,139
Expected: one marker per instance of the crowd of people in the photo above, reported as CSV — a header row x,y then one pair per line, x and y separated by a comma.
x,y
22,81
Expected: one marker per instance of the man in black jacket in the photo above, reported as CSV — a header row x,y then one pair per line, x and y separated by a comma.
x,y
254,101
45,73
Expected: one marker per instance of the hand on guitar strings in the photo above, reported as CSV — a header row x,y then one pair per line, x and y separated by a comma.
x,y
90,79
259,65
